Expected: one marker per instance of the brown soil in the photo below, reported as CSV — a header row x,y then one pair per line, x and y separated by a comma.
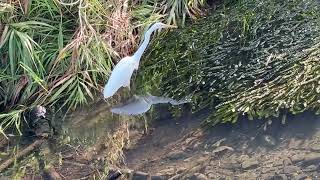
x,y
181,149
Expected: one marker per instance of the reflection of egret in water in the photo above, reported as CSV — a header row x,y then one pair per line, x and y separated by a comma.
x,y
122,72
141,104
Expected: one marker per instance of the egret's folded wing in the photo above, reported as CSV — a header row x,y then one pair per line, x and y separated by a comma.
x,y
120,77
134,107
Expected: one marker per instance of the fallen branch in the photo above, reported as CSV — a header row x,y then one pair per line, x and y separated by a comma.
x,y
28,150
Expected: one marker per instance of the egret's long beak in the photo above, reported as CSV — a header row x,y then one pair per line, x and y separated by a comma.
x,y
171,26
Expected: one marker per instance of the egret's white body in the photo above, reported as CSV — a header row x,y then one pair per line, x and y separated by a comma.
x,y
120,76
122,72
141,104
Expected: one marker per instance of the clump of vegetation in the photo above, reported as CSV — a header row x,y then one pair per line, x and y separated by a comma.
x,y
59,53
250,58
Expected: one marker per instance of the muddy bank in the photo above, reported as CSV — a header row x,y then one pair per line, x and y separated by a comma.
x,y
180,149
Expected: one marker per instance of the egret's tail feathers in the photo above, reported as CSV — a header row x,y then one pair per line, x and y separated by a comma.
x,y
186,99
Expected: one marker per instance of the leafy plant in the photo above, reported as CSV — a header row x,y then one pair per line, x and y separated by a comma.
x,y
249,58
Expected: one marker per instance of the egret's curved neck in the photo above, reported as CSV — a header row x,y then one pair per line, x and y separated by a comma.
x,y
137,55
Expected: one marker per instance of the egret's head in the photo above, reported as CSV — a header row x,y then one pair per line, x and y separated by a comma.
x,y
160,25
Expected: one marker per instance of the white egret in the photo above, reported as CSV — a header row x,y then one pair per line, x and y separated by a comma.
x,y
141,104
122,72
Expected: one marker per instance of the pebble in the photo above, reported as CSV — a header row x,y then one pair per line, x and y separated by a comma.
x,y
249,163
275,177
297,158
176,155
291,169
310,168
269,140
140,176
180,169
247,176
300,177
315,147
157,178
287,162
196,176
311,158
168,172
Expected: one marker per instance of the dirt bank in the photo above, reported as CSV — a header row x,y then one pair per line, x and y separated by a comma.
x,y
180,149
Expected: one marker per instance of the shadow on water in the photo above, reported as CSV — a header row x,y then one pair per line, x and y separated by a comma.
x,y
270,132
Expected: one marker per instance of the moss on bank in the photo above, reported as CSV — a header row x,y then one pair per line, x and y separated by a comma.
x,y
251,58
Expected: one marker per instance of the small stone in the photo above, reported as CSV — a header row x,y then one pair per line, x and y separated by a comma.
x,y
221,149
310,168
196,145
51,173
167,172
300,177
212,175
249,164
297,158
308,178
247,175
291,169
269,140
276,177
315,147
180,169
287,162
229,165
197,176
157,178
140,176
311,158
176,155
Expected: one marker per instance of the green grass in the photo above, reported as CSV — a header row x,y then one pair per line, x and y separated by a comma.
x,y
250,58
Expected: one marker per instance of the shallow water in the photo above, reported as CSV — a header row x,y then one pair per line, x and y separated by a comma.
x,y
86,125
180,147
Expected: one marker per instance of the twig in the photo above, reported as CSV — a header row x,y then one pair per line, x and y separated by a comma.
x,y
28,150
125,6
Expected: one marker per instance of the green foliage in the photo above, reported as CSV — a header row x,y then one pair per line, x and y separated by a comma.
x,y
250,58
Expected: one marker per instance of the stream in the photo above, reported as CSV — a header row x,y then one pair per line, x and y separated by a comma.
x,y
95,143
